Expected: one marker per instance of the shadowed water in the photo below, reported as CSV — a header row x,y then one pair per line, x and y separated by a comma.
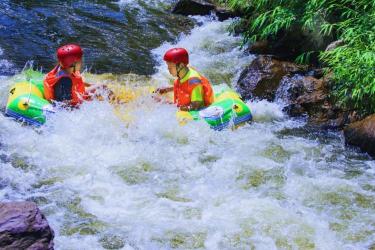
x,y
116,37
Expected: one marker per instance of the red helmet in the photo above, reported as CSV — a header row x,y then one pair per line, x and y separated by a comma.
x,y
177,55
69,54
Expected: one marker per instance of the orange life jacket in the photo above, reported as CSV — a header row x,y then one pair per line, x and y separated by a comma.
x,y
183,90
78,87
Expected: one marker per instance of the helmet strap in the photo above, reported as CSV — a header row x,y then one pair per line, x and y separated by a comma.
x,y
180,70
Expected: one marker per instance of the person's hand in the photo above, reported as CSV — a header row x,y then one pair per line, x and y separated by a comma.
x,y
184,108
163,90
192,106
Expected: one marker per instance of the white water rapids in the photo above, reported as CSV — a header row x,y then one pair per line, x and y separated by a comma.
x,y
153,184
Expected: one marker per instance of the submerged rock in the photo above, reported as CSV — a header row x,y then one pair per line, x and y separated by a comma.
x,y
262,77
23,226
193,7
112,242
362,134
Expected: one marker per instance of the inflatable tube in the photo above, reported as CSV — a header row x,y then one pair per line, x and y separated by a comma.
x,y
26,103
227,109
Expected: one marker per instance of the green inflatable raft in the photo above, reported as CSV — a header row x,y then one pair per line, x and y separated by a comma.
x,y
26,102
227,109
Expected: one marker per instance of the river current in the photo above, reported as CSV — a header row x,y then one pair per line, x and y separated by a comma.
x,y
149,183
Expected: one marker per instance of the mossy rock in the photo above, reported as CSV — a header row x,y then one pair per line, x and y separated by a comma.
x,y
283,243
47,182
304,243
78,221
173,194
110,241
206,159
364,201
276,153
20,162
257,177
336,198
240,240
135,174
40,200
85,227
187,240
347,214
337,227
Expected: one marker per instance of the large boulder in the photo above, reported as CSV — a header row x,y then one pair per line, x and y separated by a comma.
x,y
193,7
362,134
308,95
203,7
288,45
22,226
301,93
260,47
262,77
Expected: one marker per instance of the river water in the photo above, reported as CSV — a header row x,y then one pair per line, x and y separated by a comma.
x,y
149,183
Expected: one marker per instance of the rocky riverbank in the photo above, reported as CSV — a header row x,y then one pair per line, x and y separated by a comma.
x,y
23,226
304,90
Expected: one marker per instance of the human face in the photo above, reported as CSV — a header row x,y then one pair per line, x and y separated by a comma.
x,y
74,68
78,65
172,68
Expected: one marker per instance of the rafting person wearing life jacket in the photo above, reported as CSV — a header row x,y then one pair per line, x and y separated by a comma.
x,y
192,91
64,83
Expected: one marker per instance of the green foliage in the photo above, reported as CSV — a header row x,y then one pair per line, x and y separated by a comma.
x,y
353,21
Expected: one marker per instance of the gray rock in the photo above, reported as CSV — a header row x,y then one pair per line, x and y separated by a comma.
x,y
262,77
307,95
23,226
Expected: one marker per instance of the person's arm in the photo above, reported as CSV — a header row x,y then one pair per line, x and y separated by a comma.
x,y
192,106
163,90
63,90
196,102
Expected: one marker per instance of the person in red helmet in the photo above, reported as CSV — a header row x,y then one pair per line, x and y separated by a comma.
x,y
192,91
64,83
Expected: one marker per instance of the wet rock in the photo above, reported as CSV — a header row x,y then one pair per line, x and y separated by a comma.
x,y
22,226
193,7
224,14
20,162
307,95
112,242
302,90
288,45
259,47
262,77
362,134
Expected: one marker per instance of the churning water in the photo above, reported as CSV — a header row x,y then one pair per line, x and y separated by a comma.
x,y
152,184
